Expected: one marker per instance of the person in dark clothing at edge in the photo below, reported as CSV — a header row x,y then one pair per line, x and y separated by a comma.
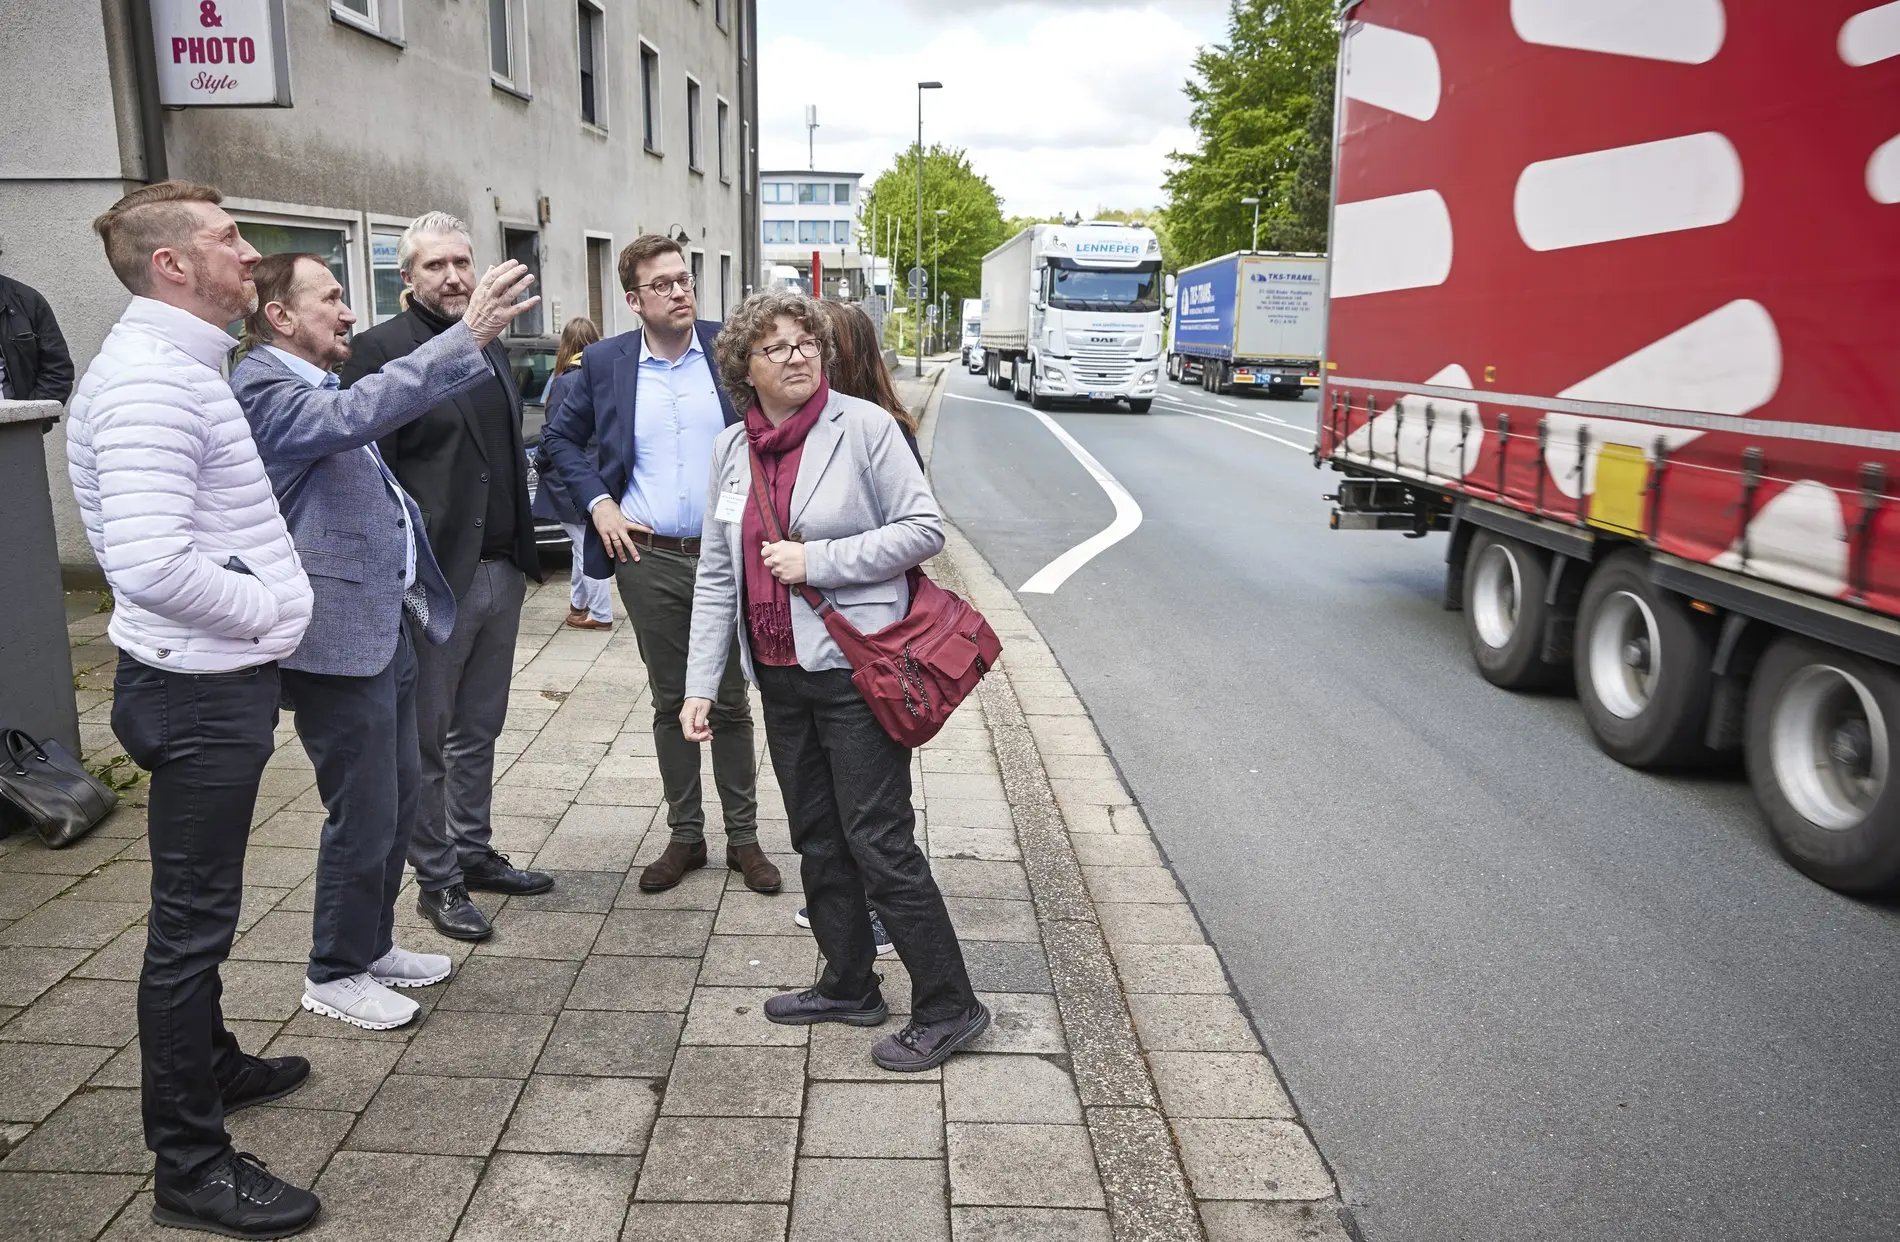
x,y
464,464
590,601
34,362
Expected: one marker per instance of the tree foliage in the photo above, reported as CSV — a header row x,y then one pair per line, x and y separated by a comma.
x,y
1263,102
953,245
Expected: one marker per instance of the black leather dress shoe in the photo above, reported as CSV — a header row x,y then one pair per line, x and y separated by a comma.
x,y
238,1198
493,874
263,1079
453,914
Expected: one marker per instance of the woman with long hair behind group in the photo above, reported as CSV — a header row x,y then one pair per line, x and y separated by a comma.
x,y
590,600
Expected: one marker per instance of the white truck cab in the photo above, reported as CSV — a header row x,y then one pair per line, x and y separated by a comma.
x,y
1074,312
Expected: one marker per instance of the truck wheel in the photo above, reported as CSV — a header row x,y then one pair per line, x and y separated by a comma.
x,y
1643,667
1505,612
1821,746
1016,389
1142,406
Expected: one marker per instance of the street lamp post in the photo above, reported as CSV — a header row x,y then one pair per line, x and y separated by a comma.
x,y
936,265
916,296
870,196
1255,204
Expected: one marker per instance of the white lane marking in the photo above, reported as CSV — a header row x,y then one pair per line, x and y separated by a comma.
x,y
1304,448
1232,405
1392,70
1277,422
1050,577
1670,186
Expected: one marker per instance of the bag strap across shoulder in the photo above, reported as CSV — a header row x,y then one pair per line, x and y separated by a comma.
x,y
819,604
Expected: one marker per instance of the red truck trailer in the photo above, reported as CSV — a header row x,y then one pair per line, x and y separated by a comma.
x,y
1615,300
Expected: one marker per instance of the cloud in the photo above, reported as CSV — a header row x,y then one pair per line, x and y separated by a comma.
x,y
1063,105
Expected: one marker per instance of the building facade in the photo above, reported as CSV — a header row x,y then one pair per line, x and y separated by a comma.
x,y
805,212
558,129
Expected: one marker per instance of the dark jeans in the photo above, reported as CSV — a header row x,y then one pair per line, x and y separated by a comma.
x,y
360,733
205,739
847,793
658,592
461,706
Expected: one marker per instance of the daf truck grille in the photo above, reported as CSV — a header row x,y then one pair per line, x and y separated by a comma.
x,y
1102,367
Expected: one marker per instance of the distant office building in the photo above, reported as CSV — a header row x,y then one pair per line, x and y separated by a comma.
x,y
558,131
803,212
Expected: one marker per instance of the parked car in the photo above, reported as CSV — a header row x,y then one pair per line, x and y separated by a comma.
x,y
531,362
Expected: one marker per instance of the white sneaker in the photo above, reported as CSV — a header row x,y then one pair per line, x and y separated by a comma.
x,y
399,968
360,1001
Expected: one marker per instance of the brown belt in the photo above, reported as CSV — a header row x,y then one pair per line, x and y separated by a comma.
x,y
665,543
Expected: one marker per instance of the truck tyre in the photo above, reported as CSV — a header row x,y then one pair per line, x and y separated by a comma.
x,y
1505,612
1016,380
1174,368
1142,406
1643,661
1821,748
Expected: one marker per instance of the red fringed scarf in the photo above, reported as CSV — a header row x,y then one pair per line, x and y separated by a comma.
x,y
769,601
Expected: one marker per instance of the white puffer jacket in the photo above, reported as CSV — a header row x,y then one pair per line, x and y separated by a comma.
x,y
172,492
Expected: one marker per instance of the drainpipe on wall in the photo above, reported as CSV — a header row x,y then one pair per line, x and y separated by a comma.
x,y
151,116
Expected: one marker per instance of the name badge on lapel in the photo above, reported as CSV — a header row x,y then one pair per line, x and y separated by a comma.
x,y
731,507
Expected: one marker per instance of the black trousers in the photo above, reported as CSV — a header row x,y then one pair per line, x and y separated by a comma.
x,y
205,739
847,794
360,733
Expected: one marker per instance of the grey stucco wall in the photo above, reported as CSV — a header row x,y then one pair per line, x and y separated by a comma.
x,y
375,128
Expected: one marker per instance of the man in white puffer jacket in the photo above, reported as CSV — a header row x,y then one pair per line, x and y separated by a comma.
x,y
208,595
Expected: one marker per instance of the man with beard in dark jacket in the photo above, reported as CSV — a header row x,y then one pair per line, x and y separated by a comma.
x,y
464,465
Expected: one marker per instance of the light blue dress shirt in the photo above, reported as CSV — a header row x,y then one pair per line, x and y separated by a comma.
x,y
677,418
317,377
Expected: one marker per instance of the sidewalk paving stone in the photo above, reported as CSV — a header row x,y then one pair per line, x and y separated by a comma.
x,y
601,1067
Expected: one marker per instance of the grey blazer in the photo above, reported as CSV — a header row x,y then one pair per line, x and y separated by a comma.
x,y
350,532
867,518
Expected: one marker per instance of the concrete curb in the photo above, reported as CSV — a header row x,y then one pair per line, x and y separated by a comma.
x,y
1164,1177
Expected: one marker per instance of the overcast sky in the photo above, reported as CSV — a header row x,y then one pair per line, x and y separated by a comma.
x,y
1065,105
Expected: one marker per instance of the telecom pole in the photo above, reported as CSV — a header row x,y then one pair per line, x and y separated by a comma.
x,y
916,293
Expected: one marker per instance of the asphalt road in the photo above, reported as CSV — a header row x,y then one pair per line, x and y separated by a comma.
x,y
1517,990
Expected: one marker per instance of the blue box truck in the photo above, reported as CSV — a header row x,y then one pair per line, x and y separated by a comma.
x,y
1250,321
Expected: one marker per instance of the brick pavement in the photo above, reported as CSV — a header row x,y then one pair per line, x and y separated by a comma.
x,y
600,1068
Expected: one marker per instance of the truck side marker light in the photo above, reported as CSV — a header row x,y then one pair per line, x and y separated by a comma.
x,y
1688,32
1701,607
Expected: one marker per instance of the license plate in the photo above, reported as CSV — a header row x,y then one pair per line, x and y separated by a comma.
x,y
1101,396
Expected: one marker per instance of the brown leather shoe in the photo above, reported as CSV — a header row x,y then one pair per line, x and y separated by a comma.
x,y
672,865
750,861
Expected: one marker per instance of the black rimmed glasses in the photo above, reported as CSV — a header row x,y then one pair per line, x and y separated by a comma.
x,y
782,352
664,288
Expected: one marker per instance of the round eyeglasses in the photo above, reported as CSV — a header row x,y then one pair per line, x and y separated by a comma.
x,y
781,353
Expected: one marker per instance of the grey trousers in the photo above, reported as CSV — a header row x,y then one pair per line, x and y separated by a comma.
x,y
658,592
360,734
461,706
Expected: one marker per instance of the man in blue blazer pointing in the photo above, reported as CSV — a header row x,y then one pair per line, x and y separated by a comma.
x,y
363,543
645,495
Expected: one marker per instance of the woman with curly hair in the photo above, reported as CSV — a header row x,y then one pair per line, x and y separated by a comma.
x,y
856,516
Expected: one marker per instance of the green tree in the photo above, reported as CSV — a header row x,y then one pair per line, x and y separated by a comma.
x,y
1262,109
953,244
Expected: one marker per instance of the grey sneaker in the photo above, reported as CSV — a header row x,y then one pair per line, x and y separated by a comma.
x,y
810,1006
922,1046
360,1001
399,968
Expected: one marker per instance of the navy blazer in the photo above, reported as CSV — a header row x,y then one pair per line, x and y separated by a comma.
x,y
551,501
351,534
598,406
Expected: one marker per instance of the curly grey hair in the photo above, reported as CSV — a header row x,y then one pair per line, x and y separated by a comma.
x,y
748,325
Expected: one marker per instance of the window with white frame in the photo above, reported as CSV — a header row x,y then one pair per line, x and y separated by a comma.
x,y
810,193
592,33
814,232
650,96
385,274
378,17
841,232
508,44
694,135
329,238
781,231
722,135
778,191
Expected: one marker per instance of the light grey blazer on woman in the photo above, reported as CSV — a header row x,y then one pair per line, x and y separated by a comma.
x,y
865,513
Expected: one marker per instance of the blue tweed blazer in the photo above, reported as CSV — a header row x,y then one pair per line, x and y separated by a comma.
x,y
350,532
